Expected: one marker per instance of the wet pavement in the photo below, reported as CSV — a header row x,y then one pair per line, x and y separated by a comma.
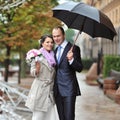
x,y
91,105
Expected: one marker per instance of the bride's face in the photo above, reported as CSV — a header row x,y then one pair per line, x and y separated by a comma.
x,y
48,44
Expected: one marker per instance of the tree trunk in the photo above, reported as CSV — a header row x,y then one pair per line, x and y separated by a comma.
x,y
23,66
7,62
19,73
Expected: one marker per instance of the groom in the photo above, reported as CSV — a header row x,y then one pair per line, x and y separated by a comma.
x,y
66,87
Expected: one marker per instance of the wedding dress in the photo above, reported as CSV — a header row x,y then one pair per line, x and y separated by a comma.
x,y
51,114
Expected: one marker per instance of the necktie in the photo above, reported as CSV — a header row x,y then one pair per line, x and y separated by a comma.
x,y
58,54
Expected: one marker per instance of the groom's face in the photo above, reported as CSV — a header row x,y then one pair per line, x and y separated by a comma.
x,y
58,36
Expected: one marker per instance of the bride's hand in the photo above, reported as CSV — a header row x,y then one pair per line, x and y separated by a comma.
x,y
37,65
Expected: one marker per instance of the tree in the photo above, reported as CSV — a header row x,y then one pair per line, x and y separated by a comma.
x,y
25,26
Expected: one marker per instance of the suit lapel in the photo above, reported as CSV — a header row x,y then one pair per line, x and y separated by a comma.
x,y
55,54
66,49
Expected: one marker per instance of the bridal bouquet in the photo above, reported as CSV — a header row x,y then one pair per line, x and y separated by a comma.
x,y
32,54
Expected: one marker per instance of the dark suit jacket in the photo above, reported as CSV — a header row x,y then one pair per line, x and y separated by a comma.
x,y
65,80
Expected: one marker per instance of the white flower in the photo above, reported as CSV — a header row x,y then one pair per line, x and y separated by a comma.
x,y
32,54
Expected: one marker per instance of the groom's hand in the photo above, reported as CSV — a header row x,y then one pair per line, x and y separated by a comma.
x,y
70,54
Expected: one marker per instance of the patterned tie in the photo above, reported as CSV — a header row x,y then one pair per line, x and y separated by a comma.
x,y
59,54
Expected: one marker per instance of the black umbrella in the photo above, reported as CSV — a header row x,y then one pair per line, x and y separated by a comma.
x,y
83,17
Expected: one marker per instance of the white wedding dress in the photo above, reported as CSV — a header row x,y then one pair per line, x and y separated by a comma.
x,y
51,114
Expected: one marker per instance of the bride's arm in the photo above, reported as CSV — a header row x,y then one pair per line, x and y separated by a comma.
x,y
35,68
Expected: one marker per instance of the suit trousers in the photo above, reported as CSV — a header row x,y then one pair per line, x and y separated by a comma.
x,y
66,107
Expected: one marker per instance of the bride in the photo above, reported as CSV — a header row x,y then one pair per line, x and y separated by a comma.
x,y
40,98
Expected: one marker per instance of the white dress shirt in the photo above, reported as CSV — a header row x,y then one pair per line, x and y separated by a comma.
x,y
63,45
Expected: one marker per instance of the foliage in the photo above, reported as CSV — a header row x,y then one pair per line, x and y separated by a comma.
x,y
69,35
110,62
26,24
87,63
23,26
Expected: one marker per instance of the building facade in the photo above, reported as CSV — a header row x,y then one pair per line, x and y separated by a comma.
x,y
95,45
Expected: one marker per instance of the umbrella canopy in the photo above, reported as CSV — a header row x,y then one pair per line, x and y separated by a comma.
x,y
83,17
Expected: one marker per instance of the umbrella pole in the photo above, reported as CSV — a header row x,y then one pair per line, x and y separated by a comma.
x,y
76,38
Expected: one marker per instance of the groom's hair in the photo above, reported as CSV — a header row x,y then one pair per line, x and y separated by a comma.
x,y
62,30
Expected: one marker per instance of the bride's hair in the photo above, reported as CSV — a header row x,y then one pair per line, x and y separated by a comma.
x,y
42,39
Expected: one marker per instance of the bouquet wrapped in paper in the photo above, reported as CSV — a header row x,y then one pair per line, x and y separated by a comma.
x,y
33,54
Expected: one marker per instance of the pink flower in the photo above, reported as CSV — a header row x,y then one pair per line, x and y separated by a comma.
x,y
31,54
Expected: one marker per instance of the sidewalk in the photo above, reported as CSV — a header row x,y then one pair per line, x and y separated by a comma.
x,y
91,105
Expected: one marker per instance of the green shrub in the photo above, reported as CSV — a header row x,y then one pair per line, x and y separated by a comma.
x,y
110,62
87,63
